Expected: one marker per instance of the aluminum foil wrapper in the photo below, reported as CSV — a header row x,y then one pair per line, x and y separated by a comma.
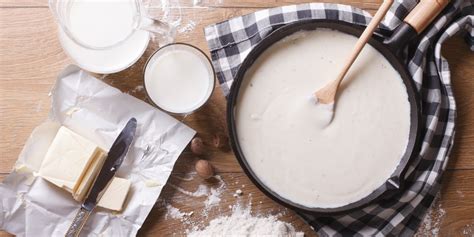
x,y
31,206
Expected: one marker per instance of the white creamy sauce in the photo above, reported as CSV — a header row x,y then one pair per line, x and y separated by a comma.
x,y
99,24
285,136
179,79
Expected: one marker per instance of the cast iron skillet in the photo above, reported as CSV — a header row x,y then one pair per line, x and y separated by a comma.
x,y
389,49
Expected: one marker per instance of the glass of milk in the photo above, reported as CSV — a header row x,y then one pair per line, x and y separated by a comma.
x,y
179,78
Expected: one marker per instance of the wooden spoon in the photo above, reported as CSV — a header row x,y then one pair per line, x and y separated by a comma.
x,y
327,94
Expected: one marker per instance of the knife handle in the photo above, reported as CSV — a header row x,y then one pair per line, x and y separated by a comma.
x,y
79,221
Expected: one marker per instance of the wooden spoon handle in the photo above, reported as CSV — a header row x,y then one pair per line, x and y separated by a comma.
x,y
426,10
327,94
364,38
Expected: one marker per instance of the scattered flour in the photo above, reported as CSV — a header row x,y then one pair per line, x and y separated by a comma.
x,y
187,28
434,217
186,177
468,230
459,192
175,213
213,194
242,223
238,193
138,88
213,199
201,191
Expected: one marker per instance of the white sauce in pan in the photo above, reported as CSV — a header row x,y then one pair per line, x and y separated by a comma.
x,y
285,136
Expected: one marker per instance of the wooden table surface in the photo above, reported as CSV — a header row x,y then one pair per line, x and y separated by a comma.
x,y
31,58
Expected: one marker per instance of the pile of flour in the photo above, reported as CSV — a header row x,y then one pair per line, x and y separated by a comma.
x,y
242,223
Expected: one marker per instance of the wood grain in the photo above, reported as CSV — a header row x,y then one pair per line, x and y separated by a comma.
x,y
29,69
31,58
455,207
451,215
368,4
461,63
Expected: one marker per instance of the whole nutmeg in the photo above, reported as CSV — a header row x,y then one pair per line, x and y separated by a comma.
x,y
204,169
197,146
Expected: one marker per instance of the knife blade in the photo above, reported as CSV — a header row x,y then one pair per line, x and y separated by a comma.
x,y
112,163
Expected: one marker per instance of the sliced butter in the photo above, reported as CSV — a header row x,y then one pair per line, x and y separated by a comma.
x,y
115,194
91,173
67,159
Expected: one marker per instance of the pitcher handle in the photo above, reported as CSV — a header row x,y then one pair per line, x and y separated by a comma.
x,y
163,32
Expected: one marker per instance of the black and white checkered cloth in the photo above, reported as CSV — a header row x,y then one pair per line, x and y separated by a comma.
x,y
230,42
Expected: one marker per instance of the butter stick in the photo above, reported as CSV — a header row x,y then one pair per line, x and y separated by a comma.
x,y
67,159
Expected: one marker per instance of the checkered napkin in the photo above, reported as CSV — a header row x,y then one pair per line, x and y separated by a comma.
x,y
230,42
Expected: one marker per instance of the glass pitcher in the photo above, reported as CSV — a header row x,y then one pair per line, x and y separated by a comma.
x,y
104,24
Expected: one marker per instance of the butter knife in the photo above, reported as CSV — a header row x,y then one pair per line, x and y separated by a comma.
x,y
112,163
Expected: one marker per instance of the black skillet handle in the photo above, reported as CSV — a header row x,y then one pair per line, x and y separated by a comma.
x,y
415,22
